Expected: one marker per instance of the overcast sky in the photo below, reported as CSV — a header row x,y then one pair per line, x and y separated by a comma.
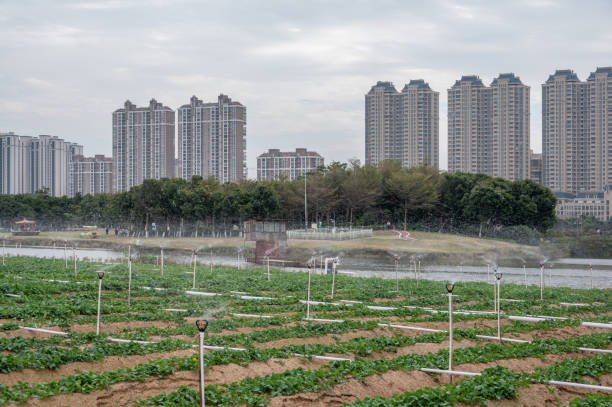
x,y
301,67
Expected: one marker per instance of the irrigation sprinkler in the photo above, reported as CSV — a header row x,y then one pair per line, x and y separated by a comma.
x,y
590,269
488,272
334,263
195,264
202,325
525,272
308,294
100,275
65,254
4,254
541,281
449,288
396,276
550,275
498,276
268,260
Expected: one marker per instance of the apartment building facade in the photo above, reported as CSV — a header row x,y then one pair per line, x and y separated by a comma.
x,y
276,165
595,204
92,175
577,132
30,164
212,139
143,144
402,126
488,127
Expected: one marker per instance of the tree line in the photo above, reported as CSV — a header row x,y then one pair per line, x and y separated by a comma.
x,y
341,194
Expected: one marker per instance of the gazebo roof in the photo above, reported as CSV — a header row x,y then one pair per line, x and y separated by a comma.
x,y
24,221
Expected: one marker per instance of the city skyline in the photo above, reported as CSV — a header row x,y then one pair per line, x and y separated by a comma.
x,y
301,70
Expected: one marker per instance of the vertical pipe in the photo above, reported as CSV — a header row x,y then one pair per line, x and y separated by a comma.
x,y
396,276
201,366
333,277
75,261
129,281
525,272
488,273
4,254
591,269
65,255
162,262
100,275
308,296
499,309
211,260
541,281
195,262
268,268
450,331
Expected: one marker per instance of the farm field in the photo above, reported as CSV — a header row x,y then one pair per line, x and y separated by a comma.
x,y
262,351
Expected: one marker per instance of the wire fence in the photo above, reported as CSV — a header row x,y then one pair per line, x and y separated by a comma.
x,y
329,234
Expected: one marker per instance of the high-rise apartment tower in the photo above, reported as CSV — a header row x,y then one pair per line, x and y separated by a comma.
x,y
212,139
402,126
143,144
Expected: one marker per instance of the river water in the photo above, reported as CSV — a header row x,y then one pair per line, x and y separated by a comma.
x,y
574,273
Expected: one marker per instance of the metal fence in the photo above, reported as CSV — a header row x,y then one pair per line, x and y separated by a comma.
x,y
329,234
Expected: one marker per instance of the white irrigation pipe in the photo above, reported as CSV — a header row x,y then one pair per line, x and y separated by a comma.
x,y
174,310
307,295
323,303
47,331
251,316
323,357
525,272
414,328
581,385
205,294
595,350
498,276
250,297
195,263
202,325
525,319
13,295
333,276
269,268
591,272
75,261
450,327
378,308
211,259
574,304
498,338
162,262
324,320
396,276
542,282
129,276
118,340
351,302
3,252
100,275
65,255
596,325
451,372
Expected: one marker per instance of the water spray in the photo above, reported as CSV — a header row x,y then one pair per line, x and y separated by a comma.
x,y
100,276
498,276
202,325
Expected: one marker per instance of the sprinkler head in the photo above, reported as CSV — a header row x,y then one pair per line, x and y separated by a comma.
x,y
202,325
395,257
309,265
449,287
498,276
100,275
